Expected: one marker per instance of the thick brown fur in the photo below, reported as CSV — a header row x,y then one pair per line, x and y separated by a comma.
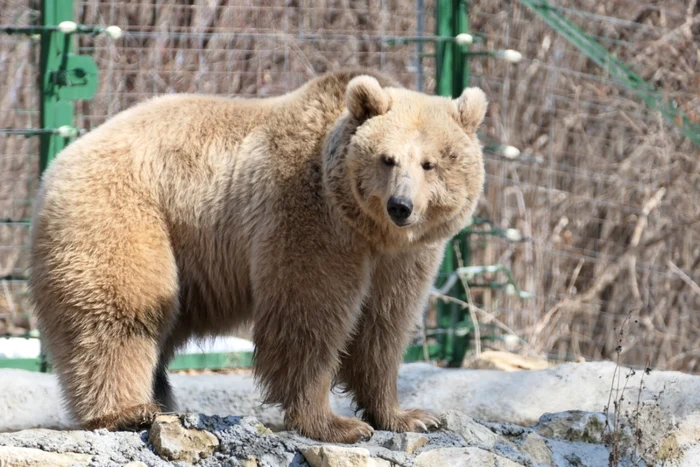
x,y
187,216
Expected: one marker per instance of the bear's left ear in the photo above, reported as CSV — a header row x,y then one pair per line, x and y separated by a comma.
x,y
471,107
365,98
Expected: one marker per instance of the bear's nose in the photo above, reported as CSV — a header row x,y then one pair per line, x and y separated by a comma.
x,y
399,208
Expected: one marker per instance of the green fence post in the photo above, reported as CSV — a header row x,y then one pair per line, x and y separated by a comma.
x,y
452,77
443,87
445,48
461,70
460,81
55,46
54,112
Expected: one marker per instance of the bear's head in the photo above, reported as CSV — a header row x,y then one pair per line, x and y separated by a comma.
x,y
411,162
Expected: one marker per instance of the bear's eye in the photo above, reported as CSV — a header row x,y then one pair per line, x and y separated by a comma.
x,y
428,165
388,161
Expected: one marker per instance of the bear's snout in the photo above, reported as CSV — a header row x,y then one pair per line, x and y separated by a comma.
x,y
399,209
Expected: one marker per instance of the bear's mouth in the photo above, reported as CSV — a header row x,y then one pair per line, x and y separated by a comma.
x,y
403,223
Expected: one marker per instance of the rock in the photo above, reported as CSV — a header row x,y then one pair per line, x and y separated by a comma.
x,y
649,426
339,456
463,457
245,438
681,447
563,440
30,457
251,461
406,442
534,446
506,361
29,399
106,448
522,397
176,443
577,454
472,432
573,425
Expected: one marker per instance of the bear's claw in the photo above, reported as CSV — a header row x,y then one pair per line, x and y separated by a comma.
x,y
411,420
335,429
348,430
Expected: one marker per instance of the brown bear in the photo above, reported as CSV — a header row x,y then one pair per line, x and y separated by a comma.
x,y
319,216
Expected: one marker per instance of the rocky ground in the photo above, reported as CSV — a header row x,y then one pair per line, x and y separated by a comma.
x,y
563,439
489,418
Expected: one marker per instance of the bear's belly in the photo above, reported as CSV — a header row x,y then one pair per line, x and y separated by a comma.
x,y
214,293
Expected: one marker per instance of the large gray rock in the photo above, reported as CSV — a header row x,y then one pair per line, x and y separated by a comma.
x,y
31,457
30,400
473,432
535,446
102,447
406,442
681,447
341,456
586,427
463,457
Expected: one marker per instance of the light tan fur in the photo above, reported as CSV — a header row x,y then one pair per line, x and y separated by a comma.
x,y
186,216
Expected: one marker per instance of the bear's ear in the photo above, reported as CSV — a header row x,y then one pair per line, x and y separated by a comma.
x,y
365,98
471,107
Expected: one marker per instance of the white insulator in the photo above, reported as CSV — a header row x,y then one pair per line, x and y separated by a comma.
x,y
513,235
510,290
67,131
510,152
510,55
464,39
114,32
67,27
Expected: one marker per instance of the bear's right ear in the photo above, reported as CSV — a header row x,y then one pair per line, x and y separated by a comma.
x,y
365,98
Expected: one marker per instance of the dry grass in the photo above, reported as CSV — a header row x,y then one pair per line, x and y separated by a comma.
x,y
607,192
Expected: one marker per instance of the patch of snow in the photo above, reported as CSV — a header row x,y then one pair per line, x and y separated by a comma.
x,y
19,347
217,345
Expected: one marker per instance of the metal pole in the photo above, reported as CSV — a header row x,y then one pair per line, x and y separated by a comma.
x,y
452,77
461,79
54,113
445,48
55,46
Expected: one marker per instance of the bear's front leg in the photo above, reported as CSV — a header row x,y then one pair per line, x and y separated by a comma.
x,y
305,313
400,285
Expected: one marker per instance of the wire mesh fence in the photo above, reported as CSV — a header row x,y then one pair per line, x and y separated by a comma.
x,y
606,193
19,165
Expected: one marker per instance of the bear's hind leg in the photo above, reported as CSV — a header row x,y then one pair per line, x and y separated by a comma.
x,y
108,382
162,390
103,299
